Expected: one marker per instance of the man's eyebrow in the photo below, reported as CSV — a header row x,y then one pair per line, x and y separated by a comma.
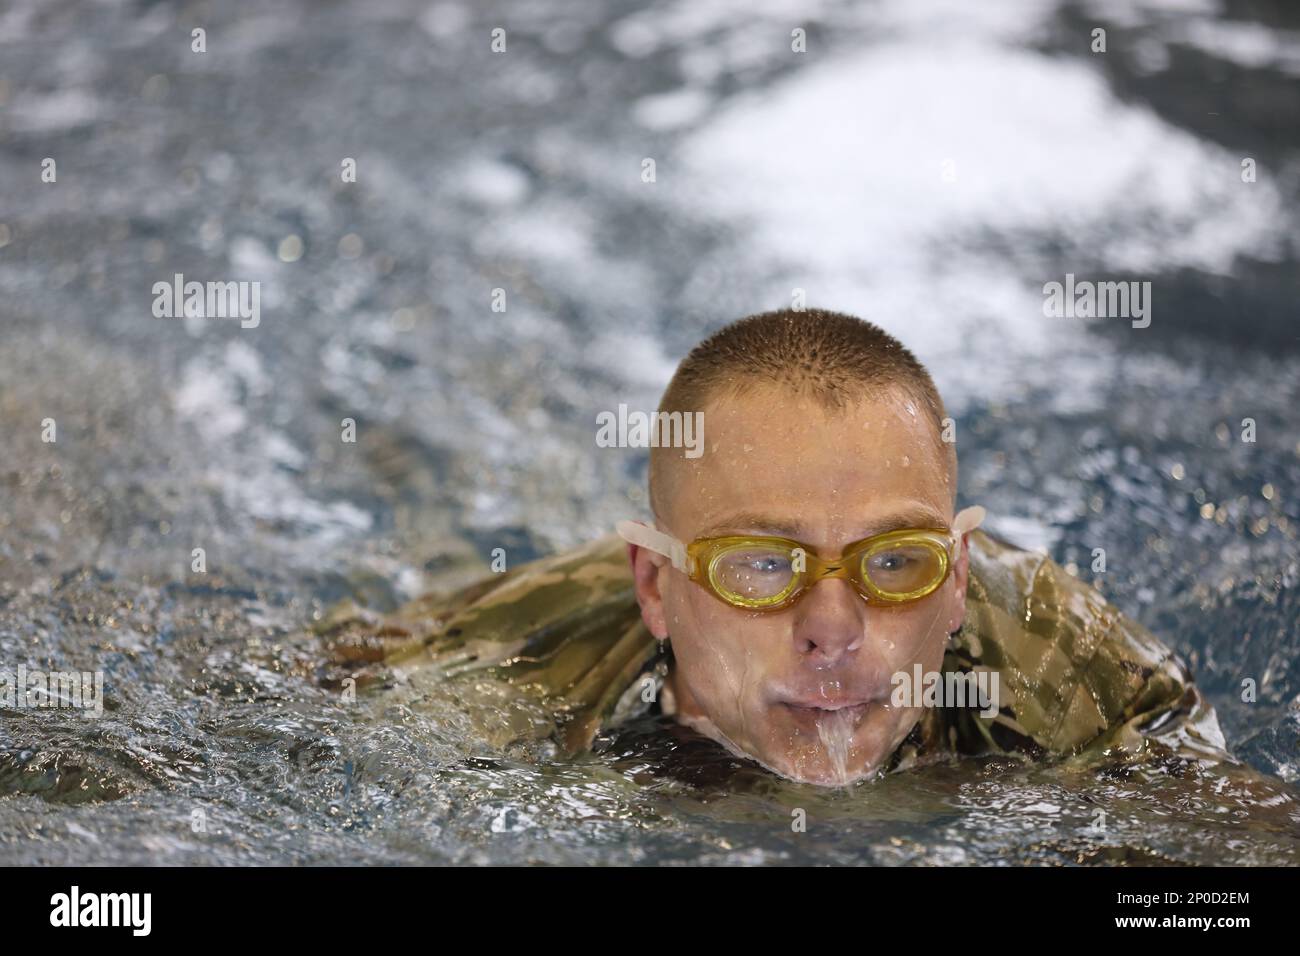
x,y
753,522
908,518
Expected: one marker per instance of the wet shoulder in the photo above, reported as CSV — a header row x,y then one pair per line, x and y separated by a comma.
x,y
1071,666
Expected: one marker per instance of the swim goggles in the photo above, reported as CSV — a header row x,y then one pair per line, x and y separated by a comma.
x,y
763,573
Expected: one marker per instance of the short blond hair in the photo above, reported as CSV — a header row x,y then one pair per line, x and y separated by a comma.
x,y
833,358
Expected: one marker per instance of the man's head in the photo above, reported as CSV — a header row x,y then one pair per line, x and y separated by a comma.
x,y
822,428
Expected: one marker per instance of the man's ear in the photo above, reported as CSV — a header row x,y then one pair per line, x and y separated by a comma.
x,y
646,566
960,578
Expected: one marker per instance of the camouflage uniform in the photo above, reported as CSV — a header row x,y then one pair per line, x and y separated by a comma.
x,y
1077,679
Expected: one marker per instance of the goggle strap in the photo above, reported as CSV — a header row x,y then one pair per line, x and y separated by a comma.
x,y
634,532
968,519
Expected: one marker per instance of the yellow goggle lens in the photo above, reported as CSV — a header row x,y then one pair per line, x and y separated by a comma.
x,y
753,575
904,570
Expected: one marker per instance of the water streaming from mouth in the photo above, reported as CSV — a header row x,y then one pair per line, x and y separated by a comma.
x,y
835,731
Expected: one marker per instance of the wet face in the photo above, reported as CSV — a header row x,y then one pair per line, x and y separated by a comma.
x,y
805,690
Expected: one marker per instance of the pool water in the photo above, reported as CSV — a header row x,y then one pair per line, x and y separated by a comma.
x,y
924,165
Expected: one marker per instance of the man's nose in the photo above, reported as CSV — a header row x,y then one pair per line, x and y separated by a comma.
x,y
830,621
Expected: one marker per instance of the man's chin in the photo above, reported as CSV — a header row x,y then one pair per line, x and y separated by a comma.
x,y
826,765
822,772
829,749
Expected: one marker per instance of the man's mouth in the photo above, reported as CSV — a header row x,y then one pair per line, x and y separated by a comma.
x,y
812,712
824,704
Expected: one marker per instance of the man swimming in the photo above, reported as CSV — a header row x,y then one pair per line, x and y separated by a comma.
x,y
796,576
